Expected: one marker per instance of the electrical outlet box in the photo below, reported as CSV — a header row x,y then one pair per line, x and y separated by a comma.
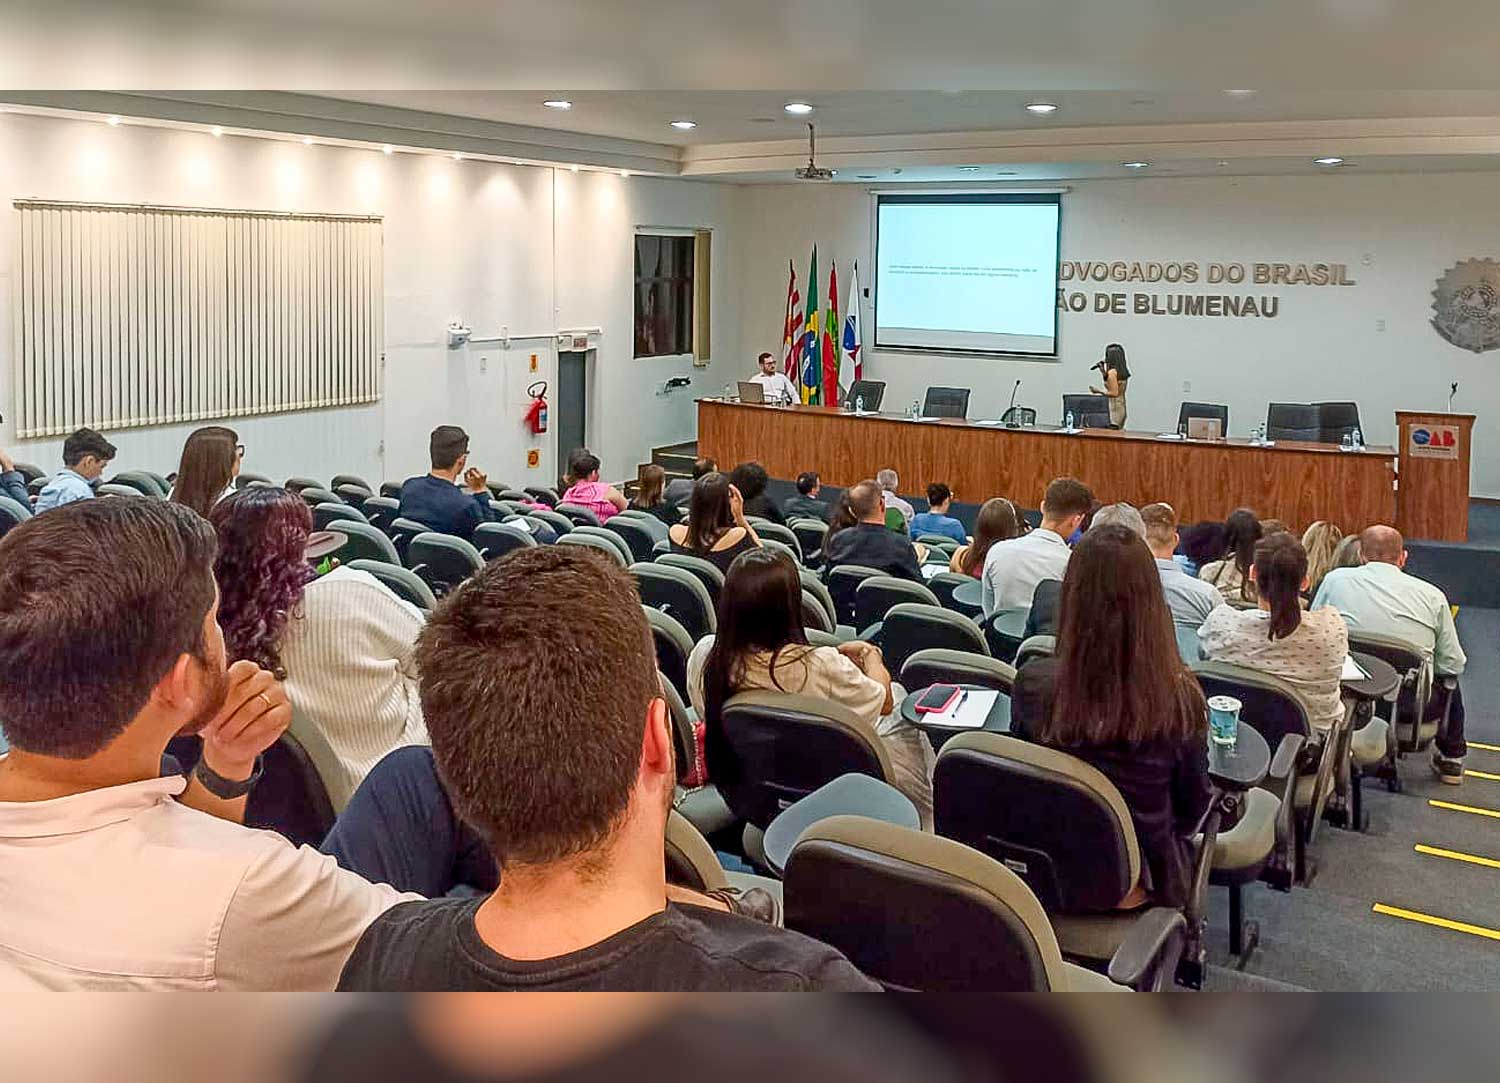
x,y
1187,387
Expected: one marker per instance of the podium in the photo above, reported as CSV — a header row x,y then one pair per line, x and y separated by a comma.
x,y
1432,501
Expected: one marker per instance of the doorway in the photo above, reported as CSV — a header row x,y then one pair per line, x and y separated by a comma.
x,y
572,404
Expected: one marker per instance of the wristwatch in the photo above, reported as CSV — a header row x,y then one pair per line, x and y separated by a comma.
x,y
227,789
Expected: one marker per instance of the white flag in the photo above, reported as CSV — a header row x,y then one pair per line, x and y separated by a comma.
x,y
853,341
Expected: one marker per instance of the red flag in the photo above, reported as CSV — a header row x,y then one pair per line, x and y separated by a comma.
x,y
831,331
791,327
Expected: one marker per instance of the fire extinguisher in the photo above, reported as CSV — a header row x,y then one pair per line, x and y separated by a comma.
x,y
536,413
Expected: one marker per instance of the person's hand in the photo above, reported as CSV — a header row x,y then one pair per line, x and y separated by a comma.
x,y
476,480
1094,390
7,464
859,652
737,505
256,712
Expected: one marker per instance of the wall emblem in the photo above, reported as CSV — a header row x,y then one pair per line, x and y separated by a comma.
x,y
1466,305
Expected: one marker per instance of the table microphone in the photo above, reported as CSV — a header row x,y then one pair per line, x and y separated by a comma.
x,y
1011,417
1452,390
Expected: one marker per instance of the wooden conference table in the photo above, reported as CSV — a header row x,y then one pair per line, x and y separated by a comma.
x,y
1293,481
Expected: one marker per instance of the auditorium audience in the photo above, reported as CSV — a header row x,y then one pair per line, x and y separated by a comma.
x,y
751,480
1229,574
85,455
867,541
805,503
888,481
841,517
1200,544
1347,554
1189,599
1117,695
1013,568
716,529
211,460
13,482
434,499
679,490
997,521
587,491
113,875
342,643
1321,540
648,495
761,646
1041,620
1273,526
574,819
936,520
1307,650
1379,597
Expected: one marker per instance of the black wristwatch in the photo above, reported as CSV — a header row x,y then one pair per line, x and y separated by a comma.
x,y
226,789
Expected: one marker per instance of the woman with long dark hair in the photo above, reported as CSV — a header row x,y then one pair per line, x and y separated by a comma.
x,y
1230,574
1116,375
716,529
342,643
1117,695
211,460
1305,649
761,646
997,521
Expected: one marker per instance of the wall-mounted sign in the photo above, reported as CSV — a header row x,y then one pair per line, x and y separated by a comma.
x,y
1190,273
1432,441
1466,305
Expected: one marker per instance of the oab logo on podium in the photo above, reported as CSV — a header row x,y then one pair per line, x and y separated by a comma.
x,y
1433,441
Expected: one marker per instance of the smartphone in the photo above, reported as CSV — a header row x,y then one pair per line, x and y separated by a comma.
x,y
937,698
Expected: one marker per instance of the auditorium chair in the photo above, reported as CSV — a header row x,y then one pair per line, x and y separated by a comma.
x,y
814,616
777,545
365,541
244,479
1337,420
402,582
495,540
507,492
12,514
1293,421
312,496
691,862
296,485
653,525
1004,629
291,797
163,484
142,482
1033,647
708,573
594,542
810,534
1413,732
504,509
391,489
350,479
1208,411
912,626
813,587
673,645
919,913
1063,827
353,495
944,584
638,538
35,486
326,513
872,392
559,523
30,472
402,531
765,529
843,580
109,489
946,402
1089,411
874,596
579,515
442,560
938,541
609,537
678,593
543,495
381,510
940,665
702,805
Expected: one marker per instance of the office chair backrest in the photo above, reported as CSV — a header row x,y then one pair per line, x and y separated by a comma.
x,y
313,496
1052,819
1208,410
326,513
402,530
595,543
1337,420
36,485
859,885
109,489
783,747
843,582
296,485
391,489
1293,421
868,392
690,859
544,495
350,479
580,515
911,627
290,797
366,541
442,561
495,540
12,514
404,583
30,472
651,523
1272,706
781,547
707,572
609,536
1089,411
1035,647
939,665
638,538
944,584
353,495
141,481
381,510
814,616
814,586
1004,629
810,534
786,535
245,478
874,597
938,541
560,523
673,645
506,492
678,593
946,402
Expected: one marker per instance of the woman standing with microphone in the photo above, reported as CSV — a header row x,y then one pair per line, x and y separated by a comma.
x,y
1116,375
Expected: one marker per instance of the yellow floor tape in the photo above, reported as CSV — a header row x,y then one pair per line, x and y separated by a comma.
x,y
1487,776
1456,855
1487,748
1464,808
1441,923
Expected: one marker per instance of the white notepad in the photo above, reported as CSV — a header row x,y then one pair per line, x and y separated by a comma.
x,y
968,712
1352,671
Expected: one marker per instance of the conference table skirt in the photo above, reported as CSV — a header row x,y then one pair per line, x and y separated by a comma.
x,y
1294,481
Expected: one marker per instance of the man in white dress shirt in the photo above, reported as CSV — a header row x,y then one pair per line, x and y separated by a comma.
x,y
778,387
1013,568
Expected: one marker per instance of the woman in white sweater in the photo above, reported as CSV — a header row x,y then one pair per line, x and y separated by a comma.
x,y
342,643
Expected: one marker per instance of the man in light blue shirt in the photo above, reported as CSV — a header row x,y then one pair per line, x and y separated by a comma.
x,y
1379,597
85,455
936,520
1191,600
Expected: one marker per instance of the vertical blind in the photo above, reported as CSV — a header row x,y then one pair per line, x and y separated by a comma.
x,y
134,315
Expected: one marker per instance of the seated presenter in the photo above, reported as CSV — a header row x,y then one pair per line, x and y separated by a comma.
x,y
778,387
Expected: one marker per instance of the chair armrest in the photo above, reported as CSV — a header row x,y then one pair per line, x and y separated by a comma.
x,y
1284,759
1207,834
872,633
1150,949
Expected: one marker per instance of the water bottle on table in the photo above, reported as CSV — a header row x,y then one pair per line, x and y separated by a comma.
x,y
1068,421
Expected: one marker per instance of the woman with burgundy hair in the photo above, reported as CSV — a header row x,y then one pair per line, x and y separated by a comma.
x,y
342,643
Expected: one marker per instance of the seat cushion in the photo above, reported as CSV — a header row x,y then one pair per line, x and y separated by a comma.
x,y
1248,844
1367,746
1080,979
1094,937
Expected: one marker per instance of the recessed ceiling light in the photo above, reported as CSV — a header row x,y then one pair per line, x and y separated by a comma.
x,y
833,172
865,176
456,156
387,149
1041,109
113,122
684,125
307,140
798,109
558,103
1006,173
1135,165
216,131
574,168
1239,93
624,172
968,169
1328,161
1223,162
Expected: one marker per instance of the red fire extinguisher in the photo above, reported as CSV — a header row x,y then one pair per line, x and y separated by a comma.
x,y
536,413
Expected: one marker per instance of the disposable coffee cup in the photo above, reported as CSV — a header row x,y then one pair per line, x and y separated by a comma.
x,y
1223,720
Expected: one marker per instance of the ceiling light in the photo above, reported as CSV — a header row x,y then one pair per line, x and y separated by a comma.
x,y
833,172
216,131
1223,162
307,140
624,172
456,156
387,149
865,176
968,169
1006,173
558,103
1328,161
798,109
1041,109
113,122
574,168
1135,165
684,125
1239,93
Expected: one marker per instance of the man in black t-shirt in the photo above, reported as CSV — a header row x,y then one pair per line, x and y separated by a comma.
x,y
540,692
870,542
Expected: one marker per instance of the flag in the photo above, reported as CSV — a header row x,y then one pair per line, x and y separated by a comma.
x,y
791,337
853,343
831,340
812,376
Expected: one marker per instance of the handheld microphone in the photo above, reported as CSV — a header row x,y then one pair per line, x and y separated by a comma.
x,y
1452,390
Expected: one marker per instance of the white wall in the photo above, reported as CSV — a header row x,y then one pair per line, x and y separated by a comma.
x,y
1324,344
469,240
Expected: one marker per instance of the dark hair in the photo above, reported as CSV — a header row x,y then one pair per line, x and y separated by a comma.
x,y
760,609
765,355
840,517
1114,358
703,466
652,479
938,493
261,569
448,444
1065,497
750,479
807,481
581,463
1280,570
98,600
1241,531
560,629
1203,542
1119,675
709,512
997,521
86,442
206,468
